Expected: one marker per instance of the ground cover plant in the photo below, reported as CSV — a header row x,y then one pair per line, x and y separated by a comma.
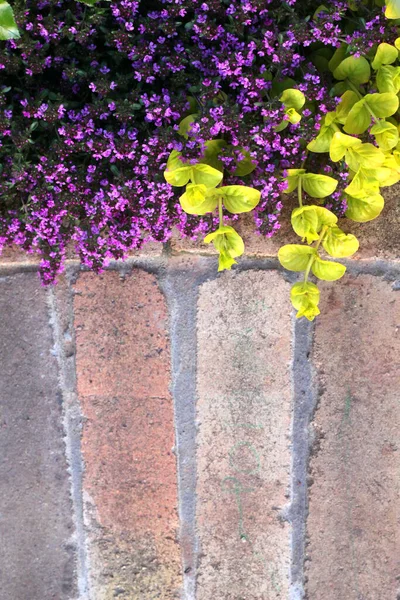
x,y
120,121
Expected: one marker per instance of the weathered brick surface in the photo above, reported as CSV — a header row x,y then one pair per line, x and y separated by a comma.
x,y
37,558
123,370
244,415
353,526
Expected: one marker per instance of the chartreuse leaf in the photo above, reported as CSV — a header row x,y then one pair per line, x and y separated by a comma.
x,y
179,173
392,9
318,186
305,223
292,179
239,198
324,138
340,145
202,173
364,155
364,180
305,299
359,118
386,135
365,207
293,101
339,244
295,257
347,101
197,200
185,124
372,105
8,26
327,270
383,105
338,57
355,69
386,54
229,245
388,79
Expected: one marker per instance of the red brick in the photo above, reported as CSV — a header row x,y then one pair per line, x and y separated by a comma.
x,y
244,414
353,525
123,364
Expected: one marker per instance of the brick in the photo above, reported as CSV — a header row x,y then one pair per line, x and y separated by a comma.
x,y
244,416
123,374
353,524
37,557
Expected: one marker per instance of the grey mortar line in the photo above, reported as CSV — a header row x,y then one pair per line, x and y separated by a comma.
x,y
305,399
180,285
72,422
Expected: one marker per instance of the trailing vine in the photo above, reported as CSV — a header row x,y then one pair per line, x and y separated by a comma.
x,y
305,101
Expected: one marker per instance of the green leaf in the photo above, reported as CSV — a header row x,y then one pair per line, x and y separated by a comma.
x,y
293,179
213,149
228,243
185,124
338,57
386,54
392,9
340,144
382,105
197,200
295,257
202,173
239,198
347,101
388,79
365,207
177,172
386,135
293,99
318,186
327,270
364,155
322,142
245,166
325,217
356,70
8,26
359,118
305,299
305,223
339,244
88,2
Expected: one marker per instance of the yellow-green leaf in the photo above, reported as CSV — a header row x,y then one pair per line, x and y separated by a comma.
x,y
386,135
327,270
382,105
347,101
388,79
340,144
293,99
245,166
365,207
295,257
228,243
305,223
185,124
239,198
339,244
202,173
355,69
386,54
318,186
197,200
359,118
392,9
292,179
305,299
8,26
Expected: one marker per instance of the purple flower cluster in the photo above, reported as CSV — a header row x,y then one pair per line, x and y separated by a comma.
x,y
91,99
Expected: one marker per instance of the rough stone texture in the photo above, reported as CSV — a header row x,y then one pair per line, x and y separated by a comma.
x,y
37,557
353,525
244,416
123,370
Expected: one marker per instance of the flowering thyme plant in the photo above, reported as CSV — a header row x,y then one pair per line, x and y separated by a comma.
x,y
122,120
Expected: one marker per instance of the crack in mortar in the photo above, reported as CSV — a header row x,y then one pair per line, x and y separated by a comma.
x,y
181,288
72,423
304,405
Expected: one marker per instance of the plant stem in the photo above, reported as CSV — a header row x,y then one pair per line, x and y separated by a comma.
x,y
221,219
300,193
371,112
312,257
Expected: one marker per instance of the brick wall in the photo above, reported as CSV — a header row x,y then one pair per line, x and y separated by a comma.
x,y
170,432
